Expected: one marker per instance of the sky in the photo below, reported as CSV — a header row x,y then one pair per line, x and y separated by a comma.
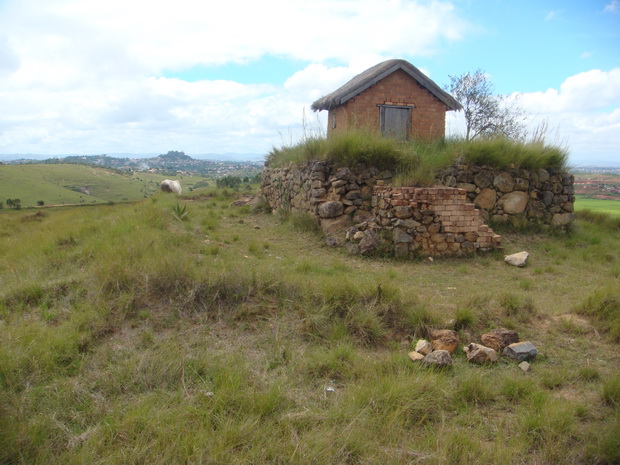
x,y
239,76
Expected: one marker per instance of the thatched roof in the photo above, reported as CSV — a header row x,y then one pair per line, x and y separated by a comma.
x,y
371,76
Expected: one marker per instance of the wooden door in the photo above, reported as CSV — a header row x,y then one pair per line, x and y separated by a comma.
x,y
396,122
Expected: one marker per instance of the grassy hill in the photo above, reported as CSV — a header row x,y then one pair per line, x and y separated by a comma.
x,y
58,184
128,336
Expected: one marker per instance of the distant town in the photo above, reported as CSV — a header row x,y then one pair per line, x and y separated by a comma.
x,y
169,164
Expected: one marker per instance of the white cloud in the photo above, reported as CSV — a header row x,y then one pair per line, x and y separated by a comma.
x,y
612,7
585,111
80,75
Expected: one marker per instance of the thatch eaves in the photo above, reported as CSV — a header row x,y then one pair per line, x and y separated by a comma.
x,y
371,76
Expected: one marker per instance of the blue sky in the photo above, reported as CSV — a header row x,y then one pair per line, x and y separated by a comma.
x,y
85,76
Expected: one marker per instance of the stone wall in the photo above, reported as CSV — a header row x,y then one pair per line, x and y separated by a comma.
x,y
514,195
357,207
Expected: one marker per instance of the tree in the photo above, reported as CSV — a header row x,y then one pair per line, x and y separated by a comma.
x,y
14,203
486,114
40,203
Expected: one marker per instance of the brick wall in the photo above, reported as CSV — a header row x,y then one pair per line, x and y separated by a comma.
x,y
428,119
434,221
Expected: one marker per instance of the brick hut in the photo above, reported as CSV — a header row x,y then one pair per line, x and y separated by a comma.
x,y
393,97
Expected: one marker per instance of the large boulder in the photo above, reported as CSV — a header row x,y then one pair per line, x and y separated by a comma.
x,y
444,339
498,339
486,199
514,203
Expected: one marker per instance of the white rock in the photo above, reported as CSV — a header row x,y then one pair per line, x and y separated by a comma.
x,y
517,259
415,356
423,347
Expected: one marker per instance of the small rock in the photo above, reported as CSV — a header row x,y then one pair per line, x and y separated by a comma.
x,y
444,339
498,339
438,358
332,241
416,356
521,351
525,366
359,235
256,227
367,245
477,353
424,347
517,259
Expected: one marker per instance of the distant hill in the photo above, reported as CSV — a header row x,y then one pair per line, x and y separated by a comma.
x,y
168,164
57,184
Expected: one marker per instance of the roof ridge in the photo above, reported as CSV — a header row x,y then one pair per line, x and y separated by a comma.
x,y
374,74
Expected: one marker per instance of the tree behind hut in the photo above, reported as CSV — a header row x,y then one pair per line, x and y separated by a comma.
x,y
486,114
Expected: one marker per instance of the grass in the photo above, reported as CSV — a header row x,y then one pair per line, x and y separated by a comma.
x,y
129,337
414,162
607,208
59,184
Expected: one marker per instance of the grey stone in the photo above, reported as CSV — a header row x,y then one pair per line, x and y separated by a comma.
x,y
483,179
504,182
521,351
401,236
330,209
332,241
561,219
368,244
403,212
438,358
543,175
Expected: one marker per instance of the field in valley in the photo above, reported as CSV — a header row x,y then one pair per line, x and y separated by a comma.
x,y
148,333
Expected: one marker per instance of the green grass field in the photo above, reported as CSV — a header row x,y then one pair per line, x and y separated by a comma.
x,y
58,184
610,207
131,334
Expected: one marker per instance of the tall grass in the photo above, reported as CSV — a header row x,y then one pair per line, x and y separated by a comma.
x,y
416,162
129,337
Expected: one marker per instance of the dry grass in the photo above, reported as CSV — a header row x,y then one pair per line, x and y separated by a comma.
x,y
127,336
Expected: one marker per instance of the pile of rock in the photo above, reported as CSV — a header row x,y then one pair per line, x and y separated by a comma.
x,y
498,341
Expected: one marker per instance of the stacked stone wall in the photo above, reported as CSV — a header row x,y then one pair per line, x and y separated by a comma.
x,y
356,206
514,195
